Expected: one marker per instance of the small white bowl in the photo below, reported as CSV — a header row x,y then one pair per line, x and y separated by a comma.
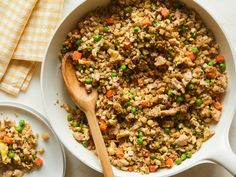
x,y
216,149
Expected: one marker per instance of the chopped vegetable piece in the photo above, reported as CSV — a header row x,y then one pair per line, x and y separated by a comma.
x,y
123,67
183,157
220,59
222,67
114,74
103,125
127,104
180,99
69,117
178,161
120,152
8,140
211,75
169,162
165,12
63,50
76,55
170,93
105,47
89,48
88,80
45,136
133,110
152,168
188,154
75,124
85,143
191,55
98,37
136,29
109,93
19,128
208,81
211,63
130,168
146,21
38,162
140,141
191,86
22,123
217,105
79,41
199,102
99,89
195,50
155,22
153,157
110,21
167,130
11,155
106,29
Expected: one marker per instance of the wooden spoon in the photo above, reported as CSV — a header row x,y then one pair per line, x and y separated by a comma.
x,y
87,103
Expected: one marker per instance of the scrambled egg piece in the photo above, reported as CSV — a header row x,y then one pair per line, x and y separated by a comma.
x,y
4,152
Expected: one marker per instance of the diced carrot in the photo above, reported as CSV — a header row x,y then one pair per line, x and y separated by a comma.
x,y
2,135
169,162
165,12
8,140
38,162
152,168
110,21
191,55
103,125
146,21
220,59
146,153
76,55
109,93
211,75
144,104
130,168
120,152
127,46
217,105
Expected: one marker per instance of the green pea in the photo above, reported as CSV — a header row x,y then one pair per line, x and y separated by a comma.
x,y
88,80
153,157
10,147
140,141
211,63
136,29
85,143
106,29
140,134
170,18
188,154
183,29
105,47
69,117
198,101
19,128
83,119
155,22
183,157
79,67
123,67
63,50
87,71
194,35
128,9
114,74
75,124
195,50
22,123
222,67
79,41
99,89
89,48
191,86
170,93
127,104
208,81
167,130
97,37
178,161
117,42
11,155
180,99
133,110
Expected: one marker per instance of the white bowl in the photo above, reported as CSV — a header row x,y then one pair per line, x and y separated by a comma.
x,y
53,89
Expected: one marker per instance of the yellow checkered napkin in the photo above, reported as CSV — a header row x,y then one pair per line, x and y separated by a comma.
x,y
14,17
32,44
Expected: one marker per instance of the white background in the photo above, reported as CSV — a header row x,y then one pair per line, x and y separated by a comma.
x,y
225,13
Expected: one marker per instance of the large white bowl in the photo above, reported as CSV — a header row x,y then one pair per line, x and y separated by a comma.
x,y
216,149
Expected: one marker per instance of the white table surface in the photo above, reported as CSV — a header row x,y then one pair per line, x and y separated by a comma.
x,y
225,13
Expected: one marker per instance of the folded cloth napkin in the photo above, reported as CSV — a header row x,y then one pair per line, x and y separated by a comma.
x,y
27,26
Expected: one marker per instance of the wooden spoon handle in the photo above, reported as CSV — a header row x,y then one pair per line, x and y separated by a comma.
x,y
99,143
